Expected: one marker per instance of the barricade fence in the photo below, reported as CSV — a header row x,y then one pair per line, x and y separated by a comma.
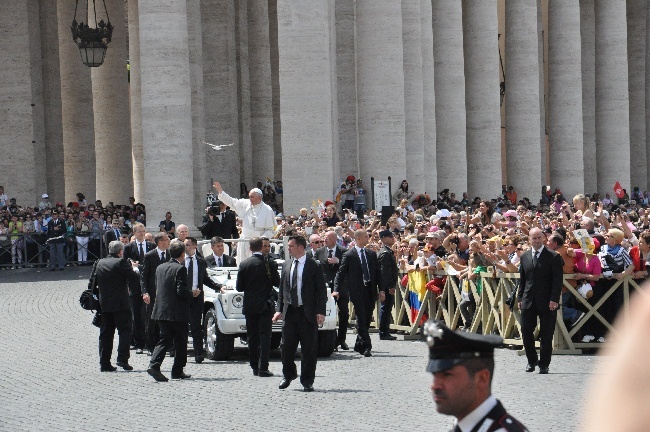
x,y
33,249
487,311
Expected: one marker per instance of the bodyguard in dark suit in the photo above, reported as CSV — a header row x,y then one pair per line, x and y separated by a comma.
x,y
256,278
359,275
540,286
218,258
302,306
172,312
136,251
387,282
152,260
113,275
330,257
197,276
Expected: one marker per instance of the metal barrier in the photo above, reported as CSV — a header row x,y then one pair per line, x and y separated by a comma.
x,y
493,316
32,249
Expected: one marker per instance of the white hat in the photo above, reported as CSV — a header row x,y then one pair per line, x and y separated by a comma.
x,y
443,213
45,196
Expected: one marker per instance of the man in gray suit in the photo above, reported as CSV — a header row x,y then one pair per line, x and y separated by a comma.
x,y
172,312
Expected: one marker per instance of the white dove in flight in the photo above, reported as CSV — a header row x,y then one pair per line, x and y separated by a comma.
x,y
217,146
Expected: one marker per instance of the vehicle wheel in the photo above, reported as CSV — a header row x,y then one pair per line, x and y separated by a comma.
x,y
276,338
326,342
218,346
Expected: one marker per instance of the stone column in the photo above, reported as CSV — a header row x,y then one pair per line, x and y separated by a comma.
x,y
647,92
565,97
428,100
451,125
166,111
137,156
636,49
306,99
480,40
220,87
201,181
17,121
77,111
523,146
261,103
542,91
275,89
612,100
380,90
53,129
588,60
413,100
243,93
38,106
114,172
346,89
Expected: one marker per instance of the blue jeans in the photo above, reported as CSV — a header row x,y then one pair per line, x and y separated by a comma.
x,y
568,314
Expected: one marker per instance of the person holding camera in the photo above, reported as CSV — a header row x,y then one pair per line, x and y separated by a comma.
x,y
220,222
257,276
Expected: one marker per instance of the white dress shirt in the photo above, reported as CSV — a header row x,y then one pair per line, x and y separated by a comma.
x,y
301,265
471,420
195,270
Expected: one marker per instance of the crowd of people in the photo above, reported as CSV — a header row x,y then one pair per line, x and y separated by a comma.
x,y
466,235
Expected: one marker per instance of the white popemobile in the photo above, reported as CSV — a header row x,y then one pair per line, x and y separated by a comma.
x,y
224,321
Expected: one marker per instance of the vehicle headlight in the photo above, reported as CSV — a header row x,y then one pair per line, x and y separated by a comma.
x,y
238,301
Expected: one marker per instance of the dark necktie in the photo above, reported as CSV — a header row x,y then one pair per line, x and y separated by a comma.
x,y
162,256
330,253
294,284
141,253
219,263
535,257
364,266
190,273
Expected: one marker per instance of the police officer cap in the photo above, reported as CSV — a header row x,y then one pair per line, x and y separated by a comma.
x,y
447,348
386,233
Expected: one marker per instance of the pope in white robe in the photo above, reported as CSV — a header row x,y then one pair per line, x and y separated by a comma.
x,y
258,219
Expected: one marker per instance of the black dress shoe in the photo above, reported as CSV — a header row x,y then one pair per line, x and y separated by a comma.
x,y
367,353
530,367
125,366
256,372
308,387
157,375
199,359
543,370
172,353
265,373
139,351
108,368
149,352
181,375
344,346
387,337
285,383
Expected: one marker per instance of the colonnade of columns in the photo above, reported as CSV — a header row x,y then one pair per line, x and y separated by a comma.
x,y
311,91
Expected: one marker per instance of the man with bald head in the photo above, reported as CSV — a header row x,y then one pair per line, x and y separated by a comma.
x,y
359,276
540,286
182,231
258,219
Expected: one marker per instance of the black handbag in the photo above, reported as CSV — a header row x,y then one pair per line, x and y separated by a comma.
x,y
97,319
89,297
89,301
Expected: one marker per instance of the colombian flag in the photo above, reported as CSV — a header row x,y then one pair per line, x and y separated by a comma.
x,y
417,289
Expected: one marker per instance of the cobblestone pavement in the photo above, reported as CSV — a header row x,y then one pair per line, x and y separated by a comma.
x,y
50,379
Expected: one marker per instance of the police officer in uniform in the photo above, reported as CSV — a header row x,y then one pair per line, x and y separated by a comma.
x,y
462,365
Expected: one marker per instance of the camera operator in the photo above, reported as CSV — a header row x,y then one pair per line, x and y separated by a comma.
x,y
220,221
